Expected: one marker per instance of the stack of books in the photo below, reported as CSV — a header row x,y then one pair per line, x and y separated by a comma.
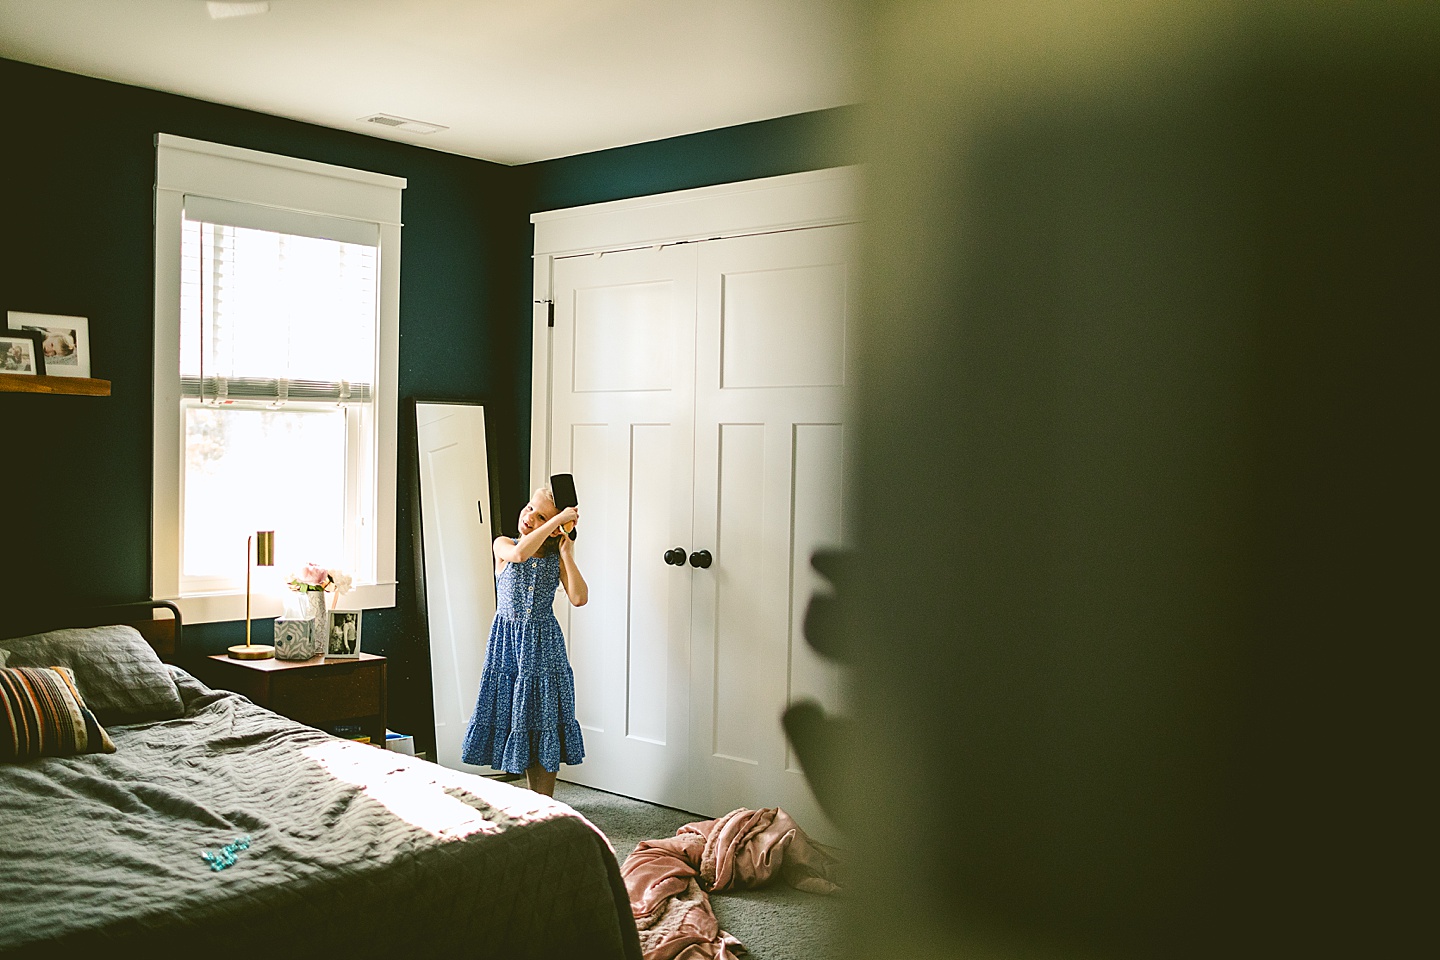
x,y
350,731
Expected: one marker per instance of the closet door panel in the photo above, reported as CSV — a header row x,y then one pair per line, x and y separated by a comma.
x,y
817,519
806,350
739,621
651,601
771,367
622,407
624,337
589,450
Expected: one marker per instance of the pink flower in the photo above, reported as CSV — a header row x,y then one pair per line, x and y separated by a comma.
x,y
315,577
318,576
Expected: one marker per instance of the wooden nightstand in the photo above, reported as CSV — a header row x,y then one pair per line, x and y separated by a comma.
x,y
316,692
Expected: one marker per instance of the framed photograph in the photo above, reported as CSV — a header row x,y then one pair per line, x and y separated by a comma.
x,y
65,341
344,635
21,352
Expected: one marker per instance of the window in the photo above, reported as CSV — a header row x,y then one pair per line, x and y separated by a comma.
x,y
276,336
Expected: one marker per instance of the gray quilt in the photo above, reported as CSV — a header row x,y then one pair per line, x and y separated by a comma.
x,y
353,851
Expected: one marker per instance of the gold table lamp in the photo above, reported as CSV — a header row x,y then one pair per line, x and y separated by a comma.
x,y
265,557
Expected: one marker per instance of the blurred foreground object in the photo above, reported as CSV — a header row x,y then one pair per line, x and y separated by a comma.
x,y
1150,285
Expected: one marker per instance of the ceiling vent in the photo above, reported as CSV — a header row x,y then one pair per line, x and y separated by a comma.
x,y
400,123
224,11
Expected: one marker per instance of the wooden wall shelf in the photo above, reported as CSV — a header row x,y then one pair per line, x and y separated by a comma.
x,y
78,386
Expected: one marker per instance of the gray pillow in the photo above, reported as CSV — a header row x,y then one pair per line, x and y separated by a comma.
x,y
117,672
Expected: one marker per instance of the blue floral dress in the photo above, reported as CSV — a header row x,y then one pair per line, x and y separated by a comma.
x,y
525,712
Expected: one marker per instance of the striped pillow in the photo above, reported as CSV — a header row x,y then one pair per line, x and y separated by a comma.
x,y
43,715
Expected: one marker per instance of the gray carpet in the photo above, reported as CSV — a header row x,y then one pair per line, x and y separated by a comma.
x,y
777,922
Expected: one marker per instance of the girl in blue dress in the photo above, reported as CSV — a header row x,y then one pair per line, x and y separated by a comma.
x,y
524,719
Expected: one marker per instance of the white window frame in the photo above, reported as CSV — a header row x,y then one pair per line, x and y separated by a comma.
x,y
248,176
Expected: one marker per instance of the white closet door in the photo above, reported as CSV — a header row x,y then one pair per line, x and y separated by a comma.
x,y
622,396
771,368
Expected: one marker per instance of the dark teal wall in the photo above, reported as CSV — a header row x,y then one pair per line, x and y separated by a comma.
x,y
75,472
79,175
767,148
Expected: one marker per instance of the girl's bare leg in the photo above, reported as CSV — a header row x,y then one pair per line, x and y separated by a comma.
x,y
540,780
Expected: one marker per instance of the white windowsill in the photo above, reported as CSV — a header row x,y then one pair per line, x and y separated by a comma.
x,y
222,607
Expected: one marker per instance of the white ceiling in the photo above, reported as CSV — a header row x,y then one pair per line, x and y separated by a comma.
x,y
514,80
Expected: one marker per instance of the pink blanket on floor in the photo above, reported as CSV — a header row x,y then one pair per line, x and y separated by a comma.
x,y
669,880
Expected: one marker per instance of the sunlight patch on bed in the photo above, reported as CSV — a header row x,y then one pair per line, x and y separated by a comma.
x,y
411,789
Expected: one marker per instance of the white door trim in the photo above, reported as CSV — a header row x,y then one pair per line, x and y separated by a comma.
x,y
540,373
811,199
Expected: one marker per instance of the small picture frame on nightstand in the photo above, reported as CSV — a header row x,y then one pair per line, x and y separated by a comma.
x,y
344,641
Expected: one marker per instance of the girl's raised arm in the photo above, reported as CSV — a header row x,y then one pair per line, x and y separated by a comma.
x,y
518,551
503,548
575,587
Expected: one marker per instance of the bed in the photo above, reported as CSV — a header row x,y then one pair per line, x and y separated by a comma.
x,y
220,828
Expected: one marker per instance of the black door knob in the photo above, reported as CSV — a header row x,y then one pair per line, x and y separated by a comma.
x,y
675,556
700,558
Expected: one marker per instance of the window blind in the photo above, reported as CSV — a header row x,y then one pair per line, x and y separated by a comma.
x,y
276,305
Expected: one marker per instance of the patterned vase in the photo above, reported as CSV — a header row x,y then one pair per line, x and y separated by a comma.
x,y
319,616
